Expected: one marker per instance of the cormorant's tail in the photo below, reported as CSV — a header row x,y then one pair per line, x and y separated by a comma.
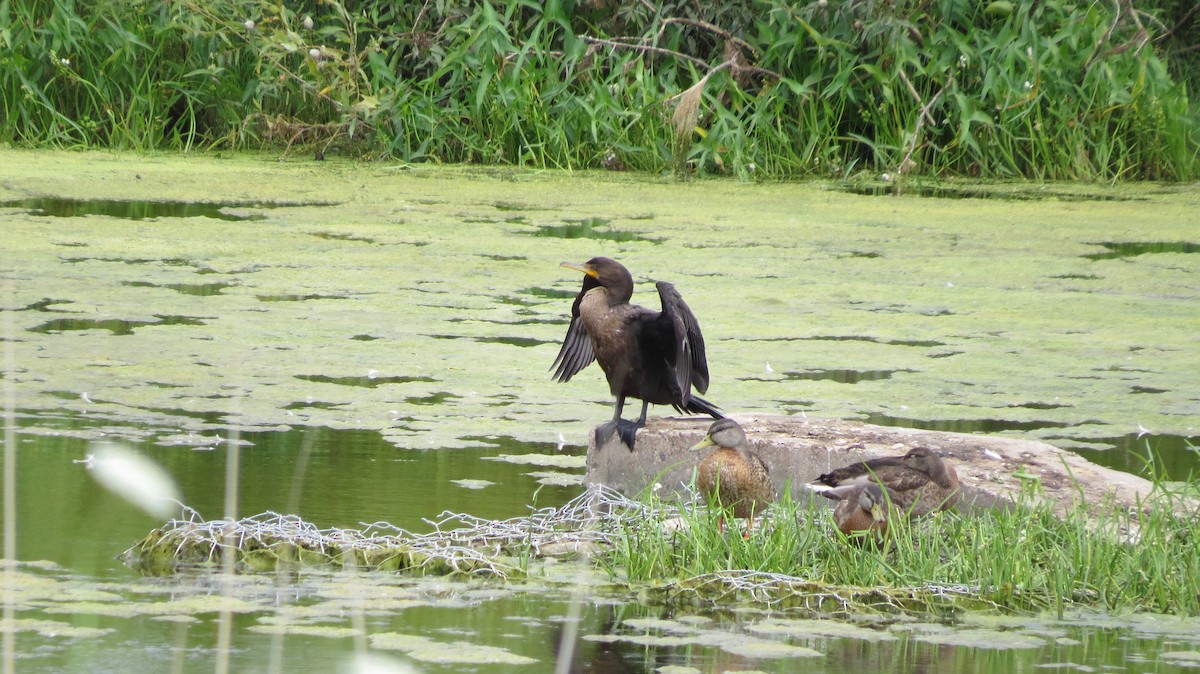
x,y
698,405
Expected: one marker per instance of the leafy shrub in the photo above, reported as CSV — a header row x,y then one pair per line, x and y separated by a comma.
x,y
1043,89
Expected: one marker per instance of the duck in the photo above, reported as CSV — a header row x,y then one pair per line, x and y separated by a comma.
x,y
655,356
919,482
733,476
864,512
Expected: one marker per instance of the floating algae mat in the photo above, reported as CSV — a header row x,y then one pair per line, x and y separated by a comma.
x,y
421,310
426,304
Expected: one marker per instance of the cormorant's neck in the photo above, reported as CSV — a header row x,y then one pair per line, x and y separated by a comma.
x,y
619,294
607,296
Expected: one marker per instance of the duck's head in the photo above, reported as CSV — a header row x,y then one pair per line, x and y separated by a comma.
x,y
872,500
722,433
923,459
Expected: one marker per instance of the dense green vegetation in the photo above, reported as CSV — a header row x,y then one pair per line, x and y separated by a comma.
x,y
1041,88
1025,558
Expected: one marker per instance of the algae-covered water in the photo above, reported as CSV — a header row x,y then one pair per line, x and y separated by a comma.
x,y
377,339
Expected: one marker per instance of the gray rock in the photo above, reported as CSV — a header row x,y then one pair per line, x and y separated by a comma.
x,y
993,470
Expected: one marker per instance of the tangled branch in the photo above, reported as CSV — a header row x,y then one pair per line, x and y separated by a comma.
x,y
458,544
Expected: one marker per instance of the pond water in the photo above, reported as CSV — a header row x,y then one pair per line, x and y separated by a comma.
x,y
378,342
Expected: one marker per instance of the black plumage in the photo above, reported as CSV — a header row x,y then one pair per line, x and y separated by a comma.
x,y
654,356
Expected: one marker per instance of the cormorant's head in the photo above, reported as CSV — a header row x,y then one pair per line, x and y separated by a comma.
x,y
606,272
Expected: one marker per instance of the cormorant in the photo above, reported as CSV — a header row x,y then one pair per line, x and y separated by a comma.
x,y
655,356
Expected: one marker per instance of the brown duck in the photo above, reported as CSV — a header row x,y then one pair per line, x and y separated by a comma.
x,y
733,476
918,482
864,512
655,356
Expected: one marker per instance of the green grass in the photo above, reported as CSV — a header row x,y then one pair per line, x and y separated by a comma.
x,y
1023,558
829,89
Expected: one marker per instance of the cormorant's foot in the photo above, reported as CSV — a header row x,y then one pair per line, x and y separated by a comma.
x,y
627,430
604,433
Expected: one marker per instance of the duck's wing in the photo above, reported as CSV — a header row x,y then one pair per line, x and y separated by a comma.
x,y
691,365
755,461
902,483
888,471
577,351
863,471
767,487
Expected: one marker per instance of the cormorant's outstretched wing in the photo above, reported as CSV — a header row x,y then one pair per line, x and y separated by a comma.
x,y
576,352
691,366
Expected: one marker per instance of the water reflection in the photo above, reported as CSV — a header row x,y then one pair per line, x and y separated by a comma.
x,y
963,425
591,228
56,207
345,478
193,289
530,626
1000,192
318,621
1174,457
843,376
1135,248
118,327
332,478
369,381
